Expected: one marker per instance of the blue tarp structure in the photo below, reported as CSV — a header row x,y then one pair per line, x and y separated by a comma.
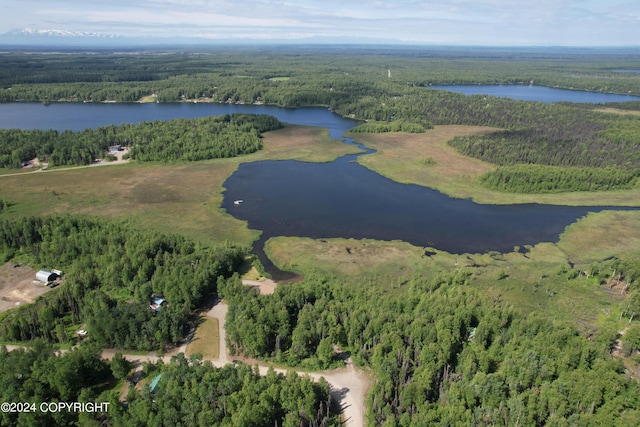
x,y
154,383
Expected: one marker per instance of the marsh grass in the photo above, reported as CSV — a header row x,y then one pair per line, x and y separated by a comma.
x,y
457,175
538,280
182,198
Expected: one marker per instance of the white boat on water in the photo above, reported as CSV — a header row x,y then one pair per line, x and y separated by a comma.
x,y
237,202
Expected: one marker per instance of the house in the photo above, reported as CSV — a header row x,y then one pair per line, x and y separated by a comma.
x,y
156,303
113,148
46,276
158,300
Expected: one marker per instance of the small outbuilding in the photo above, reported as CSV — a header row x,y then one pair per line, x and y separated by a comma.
x,y
157,300
46,276
154,383
156,303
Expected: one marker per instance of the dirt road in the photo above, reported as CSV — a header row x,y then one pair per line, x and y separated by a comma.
x,y
348,385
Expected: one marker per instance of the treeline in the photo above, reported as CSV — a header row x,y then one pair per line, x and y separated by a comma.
x,y
628,106
194,393
111,271
394,126
594,71
174,140
441,353
554,179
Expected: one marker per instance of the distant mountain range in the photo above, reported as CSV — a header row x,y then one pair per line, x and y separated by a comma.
x,y
53,37
33,32
32,37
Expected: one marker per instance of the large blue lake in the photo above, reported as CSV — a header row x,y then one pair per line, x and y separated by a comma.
x,y
537,93
336,199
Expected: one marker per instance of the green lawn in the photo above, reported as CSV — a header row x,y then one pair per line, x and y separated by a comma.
x,y
206,341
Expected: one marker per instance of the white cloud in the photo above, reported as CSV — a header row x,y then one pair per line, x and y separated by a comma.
x,y
543,22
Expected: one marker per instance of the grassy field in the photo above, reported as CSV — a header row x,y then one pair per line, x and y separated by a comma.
x,y
426,159
205,341
181,198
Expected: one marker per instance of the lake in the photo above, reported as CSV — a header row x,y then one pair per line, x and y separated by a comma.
x,y
344,199
537,93
336,199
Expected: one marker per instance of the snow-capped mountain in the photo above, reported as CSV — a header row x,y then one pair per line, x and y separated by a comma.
x,y
50,37
56,33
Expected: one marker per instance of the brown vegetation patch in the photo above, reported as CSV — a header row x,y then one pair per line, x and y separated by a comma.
x,y
618,111
303,143
616,286
349,257
415,148
206,340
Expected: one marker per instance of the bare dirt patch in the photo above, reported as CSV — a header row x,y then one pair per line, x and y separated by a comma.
x,y
119,158
219,312
618,111
265,287
18,285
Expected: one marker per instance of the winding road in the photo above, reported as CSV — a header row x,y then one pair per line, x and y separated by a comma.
x,y
349,385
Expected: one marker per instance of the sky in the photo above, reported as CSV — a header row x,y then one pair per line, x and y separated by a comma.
x,y
443,22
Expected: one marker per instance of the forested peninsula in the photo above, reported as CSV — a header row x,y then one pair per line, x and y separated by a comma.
x,y
175,140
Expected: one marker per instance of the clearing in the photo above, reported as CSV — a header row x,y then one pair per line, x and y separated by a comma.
x,y
205,341
265,286
18,285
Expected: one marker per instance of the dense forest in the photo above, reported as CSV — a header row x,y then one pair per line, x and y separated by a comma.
x,y
174,140
111,272
189,392
442,354
194,393
38,375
